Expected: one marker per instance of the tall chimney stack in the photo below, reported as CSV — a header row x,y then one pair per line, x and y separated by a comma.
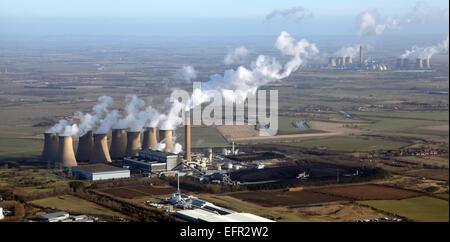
x,y
66,156
85,146
187,137
133,143
419,63
118,144
167,136
150,141
100,152
50,151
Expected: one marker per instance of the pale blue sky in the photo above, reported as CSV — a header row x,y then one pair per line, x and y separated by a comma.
x,y
233,17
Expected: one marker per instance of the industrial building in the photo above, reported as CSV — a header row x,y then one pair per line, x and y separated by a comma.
x,y
153,161
52,217
200,215
1,213
96,172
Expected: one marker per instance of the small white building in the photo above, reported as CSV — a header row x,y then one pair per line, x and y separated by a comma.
x,y
1,213
96,172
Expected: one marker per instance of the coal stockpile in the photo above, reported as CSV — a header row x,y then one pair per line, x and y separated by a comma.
x,y
256,156
316,172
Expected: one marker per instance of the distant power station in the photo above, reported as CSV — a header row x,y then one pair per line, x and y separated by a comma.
x,y
406,64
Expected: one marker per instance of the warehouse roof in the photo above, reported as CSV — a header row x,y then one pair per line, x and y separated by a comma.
x,y
205,216
93,168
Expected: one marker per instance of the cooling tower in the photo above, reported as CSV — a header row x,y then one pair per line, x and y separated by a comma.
x,y
150,141
167,135
399,63
339,61
406,63
349,60
133,143
187,137
419,63
85,145
332,61
343,60
118,144
427,63
66,157
100,152
361,56
50,151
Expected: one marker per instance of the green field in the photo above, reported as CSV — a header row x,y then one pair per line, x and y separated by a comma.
x,y
422,209
74,205
351,144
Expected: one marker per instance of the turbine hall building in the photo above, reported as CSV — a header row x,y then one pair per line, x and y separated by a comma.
x,y
153,161
96,172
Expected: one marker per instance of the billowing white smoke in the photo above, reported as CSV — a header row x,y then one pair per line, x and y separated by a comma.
x,y
70,130
174,117
131,112
369,21
426,52
298,13
108,122
89,121
350,51
59,127
186,73
177,148
237,56
237,84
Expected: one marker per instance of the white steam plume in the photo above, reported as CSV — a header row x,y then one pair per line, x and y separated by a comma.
x,y
298,13
426,52
237,56
108,122
88,121
350,51
370,23
132,109
186,73
237,84
58,127
174,117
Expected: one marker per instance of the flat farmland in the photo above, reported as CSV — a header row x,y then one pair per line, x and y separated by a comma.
x,y
285,198
419,209
138,191
368,192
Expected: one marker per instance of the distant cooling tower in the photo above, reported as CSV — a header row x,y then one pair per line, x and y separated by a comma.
x,y
50,151
118,143
361,56
426,62
100,152
85,145
167,136
343,61
339,61
66,157
332,61
349,60
150,141
406,63
419,63
399,63
133,143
